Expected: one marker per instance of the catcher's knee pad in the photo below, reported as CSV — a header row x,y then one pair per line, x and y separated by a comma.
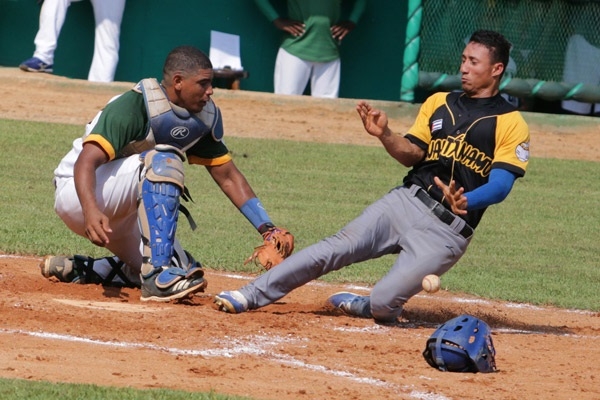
x,y
160,189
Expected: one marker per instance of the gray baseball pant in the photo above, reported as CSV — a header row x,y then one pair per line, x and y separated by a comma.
x,y
398,223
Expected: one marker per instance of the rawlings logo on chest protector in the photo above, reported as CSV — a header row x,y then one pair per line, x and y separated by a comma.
x,y
180,132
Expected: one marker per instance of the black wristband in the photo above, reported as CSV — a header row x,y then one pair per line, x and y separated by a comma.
x,y
265,227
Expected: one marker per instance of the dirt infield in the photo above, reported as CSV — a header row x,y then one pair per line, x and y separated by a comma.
x,y
297,348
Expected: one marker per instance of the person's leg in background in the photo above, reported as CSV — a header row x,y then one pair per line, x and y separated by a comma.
x,y
325,80
291,74
52,19
581,61
108,15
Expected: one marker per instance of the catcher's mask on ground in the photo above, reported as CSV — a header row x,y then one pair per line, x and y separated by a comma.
x,y
463,344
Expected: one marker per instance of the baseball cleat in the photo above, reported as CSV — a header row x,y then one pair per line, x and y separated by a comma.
x,y
58,267
232,302
352,304
34,64
179,290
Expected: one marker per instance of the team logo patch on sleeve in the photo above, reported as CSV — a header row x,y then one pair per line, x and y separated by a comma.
x,y
522,151
436,125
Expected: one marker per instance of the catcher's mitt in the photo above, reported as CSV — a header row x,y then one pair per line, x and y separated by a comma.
x,y
278,244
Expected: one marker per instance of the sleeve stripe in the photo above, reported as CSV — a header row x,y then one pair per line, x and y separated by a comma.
x,y
103,143
210,162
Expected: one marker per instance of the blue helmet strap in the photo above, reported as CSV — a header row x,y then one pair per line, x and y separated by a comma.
x,y
439,360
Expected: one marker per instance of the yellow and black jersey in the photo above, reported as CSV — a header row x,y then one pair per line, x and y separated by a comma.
x,y
464,139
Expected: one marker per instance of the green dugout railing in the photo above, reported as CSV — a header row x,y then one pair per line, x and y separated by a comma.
x,y
413,78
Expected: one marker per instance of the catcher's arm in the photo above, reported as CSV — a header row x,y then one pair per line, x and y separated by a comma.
x,y
236,188
278,243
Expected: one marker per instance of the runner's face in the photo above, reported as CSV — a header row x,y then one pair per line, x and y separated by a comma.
x,y
195,90
479,76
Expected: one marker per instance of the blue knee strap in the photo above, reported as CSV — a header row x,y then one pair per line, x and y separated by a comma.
x,y
168,277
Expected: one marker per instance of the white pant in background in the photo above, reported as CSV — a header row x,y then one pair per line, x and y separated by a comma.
x,y
292,75
108,15
581,66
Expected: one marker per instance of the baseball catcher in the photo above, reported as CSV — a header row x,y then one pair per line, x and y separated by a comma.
x,y
122,183
278,244
463,344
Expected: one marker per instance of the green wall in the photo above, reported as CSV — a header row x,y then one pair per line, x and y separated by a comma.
x,y
371,55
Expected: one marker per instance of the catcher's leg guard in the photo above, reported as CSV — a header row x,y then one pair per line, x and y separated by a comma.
x,y
158,211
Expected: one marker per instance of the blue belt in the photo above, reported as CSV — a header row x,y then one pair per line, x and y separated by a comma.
x,y
442,212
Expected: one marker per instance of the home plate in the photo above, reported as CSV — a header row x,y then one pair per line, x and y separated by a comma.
x,y
109,306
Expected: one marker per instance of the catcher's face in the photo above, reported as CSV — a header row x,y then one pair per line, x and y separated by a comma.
x,y
479,75
194,90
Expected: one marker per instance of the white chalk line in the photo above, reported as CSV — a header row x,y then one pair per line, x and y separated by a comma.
x,y
230,347
378,329
20,257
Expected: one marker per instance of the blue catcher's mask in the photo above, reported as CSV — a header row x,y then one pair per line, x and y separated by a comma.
x,y
463,344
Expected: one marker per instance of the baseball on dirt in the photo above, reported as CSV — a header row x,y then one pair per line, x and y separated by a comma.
x,y
431,283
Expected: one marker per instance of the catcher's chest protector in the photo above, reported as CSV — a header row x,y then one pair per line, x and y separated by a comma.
x,y
174,126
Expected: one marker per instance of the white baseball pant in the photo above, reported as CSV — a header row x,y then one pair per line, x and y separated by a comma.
x,y
292,75
108,15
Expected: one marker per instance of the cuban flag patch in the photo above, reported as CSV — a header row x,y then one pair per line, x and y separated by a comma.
x,y
436,125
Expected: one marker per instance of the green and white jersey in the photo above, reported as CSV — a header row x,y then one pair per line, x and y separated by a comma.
x,y
122,128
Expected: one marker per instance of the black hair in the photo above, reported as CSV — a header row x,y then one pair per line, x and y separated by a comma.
x,y
185,59
496,43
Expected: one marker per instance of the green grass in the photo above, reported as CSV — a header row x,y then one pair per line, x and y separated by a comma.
x,y
540,246
18,389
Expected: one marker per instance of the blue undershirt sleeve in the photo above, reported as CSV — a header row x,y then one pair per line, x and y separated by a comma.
x,y
494,191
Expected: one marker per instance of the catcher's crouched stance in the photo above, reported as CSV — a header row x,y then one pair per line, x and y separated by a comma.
x,y
122,183
168,271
